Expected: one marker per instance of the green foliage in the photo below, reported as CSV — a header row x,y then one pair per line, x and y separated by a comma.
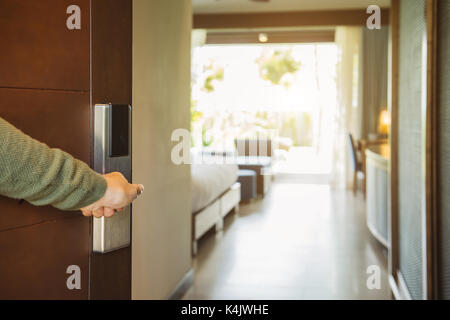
x,y
205,141
195,115
278,65
217,74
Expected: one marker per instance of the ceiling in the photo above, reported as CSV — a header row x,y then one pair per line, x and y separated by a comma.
x,y
236,6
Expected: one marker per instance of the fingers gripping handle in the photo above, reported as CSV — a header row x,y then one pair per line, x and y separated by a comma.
x,y
112,152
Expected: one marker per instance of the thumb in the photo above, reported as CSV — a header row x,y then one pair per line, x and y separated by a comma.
x,y
139,189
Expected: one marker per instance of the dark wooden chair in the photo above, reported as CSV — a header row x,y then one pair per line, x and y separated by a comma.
x,y
356,161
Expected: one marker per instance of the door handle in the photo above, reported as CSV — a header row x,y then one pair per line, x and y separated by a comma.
x,y
112,152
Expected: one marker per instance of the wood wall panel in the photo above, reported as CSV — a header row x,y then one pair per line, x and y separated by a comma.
x,y
111,275
45,90
309,36
393,141
111,83
19,214
38,50
35,259
111,51
59,119
285,19
38,243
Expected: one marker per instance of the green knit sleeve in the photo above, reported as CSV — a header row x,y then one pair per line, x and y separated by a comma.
x,y
32,171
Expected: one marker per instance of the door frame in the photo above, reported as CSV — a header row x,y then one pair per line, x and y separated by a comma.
x,y
429,156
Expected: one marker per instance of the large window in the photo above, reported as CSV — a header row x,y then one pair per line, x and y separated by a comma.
x,y
285,92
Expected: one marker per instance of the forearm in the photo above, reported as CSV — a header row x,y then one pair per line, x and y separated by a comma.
x,y
32,171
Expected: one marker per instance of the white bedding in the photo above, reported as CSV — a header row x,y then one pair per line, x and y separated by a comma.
x,y
209,181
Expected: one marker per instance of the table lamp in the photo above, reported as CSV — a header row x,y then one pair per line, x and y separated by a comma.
x,y
385,121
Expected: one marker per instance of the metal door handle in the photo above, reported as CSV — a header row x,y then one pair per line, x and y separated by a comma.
x,y
112,152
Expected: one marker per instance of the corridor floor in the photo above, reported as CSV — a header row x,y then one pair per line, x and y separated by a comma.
x,y
302,241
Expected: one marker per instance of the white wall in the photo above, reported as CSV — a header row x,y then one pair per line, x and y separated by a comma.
x,y
161,100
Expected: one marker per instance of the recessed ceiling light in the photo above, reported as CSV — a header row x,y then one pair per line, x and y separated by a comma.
x,y
262,37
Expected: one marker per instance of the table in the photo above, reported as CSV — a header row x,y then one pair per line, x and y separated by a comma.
x,y
377,162
363,144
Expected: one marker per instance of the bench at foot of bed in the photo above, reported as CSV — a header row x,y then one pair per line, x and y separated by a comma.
x,y
214,214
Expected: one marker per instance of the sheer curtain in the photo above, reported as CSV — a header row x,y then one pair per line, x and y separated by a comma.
x,y
375,77
349,110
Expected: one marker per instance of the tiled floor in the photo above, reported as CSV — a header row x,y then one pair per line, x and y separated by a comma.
x,y
299,242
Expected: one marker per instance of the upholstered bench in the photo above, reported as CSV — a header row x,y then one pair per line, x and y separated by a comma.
x,y
247,179
262,167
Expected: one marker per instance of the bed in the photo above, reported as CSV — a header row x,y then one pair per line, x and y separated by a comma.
x,y
215,193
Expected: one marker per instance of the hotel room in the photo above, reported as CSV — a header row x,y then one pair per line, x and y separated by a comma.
x,y
289,149
288,107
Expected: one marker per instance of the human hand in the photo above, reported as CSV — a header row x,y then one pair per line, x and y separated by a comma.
x,y
119,193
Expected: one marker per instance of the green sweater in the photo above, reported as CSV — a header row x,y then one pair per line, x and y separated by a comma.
x,y
32,171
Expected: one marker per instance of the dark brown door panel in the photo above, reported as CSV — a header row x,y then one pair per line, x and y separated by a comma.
x,y
49,76
34,260
37,48
111,82
111,275
111,51
60,119
16,214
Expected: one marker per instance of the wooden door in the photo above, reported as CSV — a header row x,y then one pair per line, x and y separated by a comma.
x,y
53,69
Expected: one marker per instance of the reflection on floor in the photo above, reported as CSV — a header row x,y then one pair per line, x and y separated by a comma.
x,y
299,242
